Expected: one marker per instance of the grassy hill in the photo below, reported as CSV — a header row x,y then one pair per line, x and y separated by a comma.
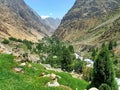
x,y
30,79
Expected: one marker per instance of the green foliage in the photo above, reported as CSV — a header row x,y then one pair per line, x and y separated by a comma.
x,y
12,39
78,67
28,44
72,82
58,53
30,80
87,73
71,48
66,60
104,87
5,41
112,44
94,53
103,71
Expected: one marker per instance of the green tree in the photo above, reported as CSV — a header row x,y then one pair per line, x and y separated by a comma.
x,y
103,71
93,54
71,48
12,39
110,45
66,60
5,41
79,66
104,87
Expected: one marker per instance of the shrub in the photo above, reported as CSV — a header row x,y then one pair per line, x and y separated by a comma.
x,y
79,66
5,41
104,87
12,39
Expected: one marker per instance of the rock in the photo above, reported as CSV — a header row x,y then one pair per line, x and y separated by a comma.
x,y
93,88
1,50
54,84
42,74
18,60
53,76
19,70
23,64
29,65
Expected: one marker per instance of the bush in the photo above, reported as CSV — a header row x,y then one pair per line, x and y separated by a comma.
x,y
5,41
19,40
12,39
87,73
104,87
79,66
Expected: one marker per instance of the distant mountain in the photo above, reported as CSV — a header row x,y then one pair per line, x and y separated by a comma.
x,y
53,23
20,21
90,22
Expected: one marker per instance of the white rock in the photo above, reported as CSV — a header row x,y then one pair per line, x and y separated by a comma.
x,y
93,88
18,69
53,76
54,84
23,64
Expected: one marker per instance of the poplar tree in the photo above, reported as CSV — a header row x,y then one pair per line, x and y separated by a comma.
x,y
103,71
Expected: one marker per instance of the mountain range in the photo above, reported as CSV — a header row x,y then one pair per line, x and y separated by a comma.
x,y
20,21
90,22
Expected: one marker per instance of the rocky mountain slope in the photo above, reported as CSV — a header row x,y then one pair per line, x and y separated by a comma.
x,y
53,23
90,22
20,21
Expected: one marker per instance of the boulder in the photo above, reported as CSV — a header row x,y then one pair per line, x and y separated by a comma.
x,y
54,84
53,76
42,74
23,64
19,70
93,88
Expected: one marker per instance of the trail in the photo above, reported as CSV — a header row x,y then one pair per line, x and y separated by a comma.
x,y
107,22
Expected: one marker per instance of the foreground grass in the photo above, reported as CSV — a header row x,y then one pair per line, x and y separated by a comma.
x,y
30,80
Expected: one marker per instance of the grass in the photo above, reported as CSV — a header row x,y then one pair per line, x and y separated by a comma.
x,y
30,80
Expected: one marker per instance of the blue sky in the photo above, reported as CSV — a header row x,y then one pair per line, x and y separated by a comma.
x,y
52,8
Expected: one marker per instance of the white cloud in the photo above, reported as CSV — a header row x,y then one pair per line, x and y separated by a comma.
x,y
44,17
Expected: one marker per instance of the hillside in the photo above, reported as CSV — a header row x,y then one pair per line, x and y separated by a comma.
x,y
88,21
53,23
20,21
29,77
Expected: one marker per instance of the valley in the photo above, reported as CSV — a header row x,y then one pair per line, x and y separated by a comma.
x,y
81,51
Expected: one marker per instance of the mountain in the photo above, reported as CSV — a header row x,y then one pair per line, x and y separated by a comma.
x,y
20,21
90,22
53,23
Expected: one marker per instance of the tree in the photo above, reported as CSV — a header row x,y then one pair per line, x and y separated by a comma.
x,y
104,87
5,41
79,66
71,48
66,60
111,45
103,71
93,54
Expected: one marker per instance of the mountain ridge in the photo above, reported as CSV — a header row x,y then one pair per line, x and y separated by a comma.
x,y
20,21
87,21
